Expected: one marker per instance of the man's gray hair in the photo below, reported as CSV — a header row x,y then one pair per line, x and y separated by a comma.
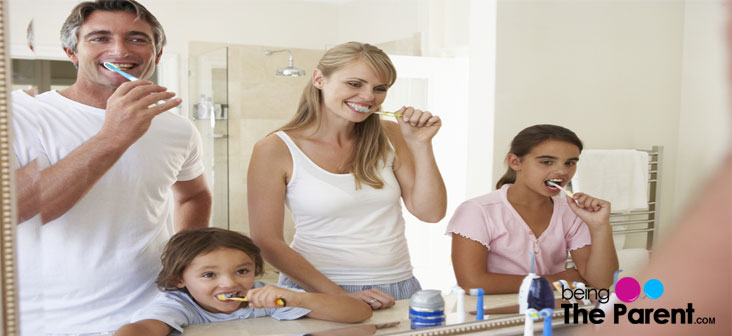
x,y
70,29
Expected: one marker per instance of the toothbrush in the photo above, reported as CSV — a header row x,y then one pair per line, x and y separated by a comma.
x,y
580,285
479,312
547,313
363,109
566,284
460,293
114,68
388,114
231,297
556,185
531,316
558,286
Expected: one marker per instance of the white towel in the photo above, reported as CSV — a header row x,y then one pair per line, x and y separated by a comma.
x,y
632,261
619,176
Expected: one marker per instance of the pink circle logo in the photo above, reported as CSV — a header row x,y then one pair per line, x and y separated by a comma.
x,y
627,289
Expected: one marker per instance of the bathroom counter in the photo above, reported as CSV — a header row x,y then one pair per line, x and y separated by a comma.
x,y
305,325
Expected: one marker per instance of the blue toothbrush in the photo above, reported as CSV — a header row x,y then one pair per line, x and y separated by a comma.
x,y
114,68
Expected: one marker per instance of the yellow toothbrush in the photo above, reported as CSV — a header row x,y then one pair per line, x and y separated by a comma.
x,y
364,109
231,297
389,114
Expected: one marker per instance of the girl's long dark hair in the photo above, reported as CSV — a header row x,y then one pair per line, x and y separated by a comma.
x,y
531,137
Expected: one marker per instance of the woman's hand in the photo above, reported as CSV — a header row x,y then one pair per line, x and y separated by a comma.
x,y
375,298
593,211
418,126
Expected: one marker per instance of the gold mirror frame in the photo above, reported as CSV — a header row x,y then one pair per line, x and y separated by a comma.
x,y
8,276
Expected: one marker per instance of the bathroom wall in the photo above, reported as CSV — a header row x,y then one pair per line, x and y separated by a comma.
x,y
704,117
622,74
260,103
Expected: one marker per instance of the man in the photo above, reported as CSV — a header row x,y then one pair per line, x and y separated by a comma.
x,y
113,157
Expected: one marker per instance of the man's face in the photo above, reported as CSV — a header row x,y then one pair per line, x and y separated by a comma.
x,y
115,37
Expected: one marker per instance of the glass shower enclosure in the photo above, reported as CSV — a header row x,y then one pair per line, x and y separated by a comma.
x,y
208,76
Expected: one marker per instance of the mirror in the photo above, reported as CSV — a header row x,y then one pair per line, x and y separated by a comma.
x,y
623,75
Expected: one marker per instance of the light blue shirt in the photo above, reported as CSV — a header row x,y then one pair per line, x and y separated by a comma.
x,y
178,310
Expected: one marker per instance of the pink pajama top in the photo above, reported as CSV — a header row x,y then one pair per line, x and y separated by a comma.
x,y
492,221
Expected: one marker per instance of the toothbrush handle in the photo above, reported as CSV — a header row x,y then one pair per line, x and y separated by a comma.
x,y
279,302
390,114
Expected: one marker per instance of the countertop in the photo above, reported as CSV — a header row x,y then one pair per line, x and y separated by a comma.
x,y
398,313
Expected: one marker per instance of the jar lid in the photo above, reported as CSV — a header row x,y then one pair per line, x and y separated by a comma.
x,y
427,299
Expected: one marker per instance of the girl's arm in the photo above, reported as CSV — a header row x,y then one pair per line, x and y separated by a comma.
x,y
598,262
266,188
469,260
338,308
144,327
423,189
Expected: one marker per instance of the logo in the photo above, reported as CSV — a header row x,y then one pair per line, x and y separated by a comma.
x,y
627,290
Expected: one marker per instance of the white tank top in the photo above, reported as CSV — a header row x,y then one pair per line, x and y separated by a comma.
x,y
353,237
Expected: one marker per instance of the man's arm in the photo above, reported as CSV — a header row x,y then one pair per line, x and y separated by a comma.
x,y
65,183
130,111
192,204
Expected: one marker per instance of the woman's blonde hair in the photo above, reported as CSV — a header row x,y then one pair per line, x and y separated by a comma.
x,y
372,144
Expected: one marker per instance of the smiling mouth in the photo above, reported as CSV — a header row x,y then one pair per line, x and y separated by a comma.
x,y
124,66
359,107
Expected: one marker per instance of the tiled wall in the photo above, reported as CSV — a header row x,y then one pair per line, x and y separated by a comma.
x,y
260,103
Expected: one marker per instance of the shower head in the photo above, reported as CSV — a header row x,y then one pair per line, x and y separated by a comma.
x,y
290,70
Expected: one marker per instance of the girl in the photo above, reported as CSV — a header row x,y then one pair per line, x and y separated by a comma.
x,y
199,265
343,171
492,234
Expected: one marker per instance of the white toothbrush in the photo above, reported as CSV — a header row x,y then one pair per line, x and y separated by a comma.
x,y
581,286
460,293
114,68
556,185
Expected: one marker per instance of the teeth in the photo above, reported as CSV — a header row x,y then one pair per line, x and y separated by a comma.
x,y
358,107
124,65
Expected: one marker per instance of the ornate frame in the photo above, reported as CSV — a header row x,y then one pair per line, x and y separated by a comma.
x,y
8,275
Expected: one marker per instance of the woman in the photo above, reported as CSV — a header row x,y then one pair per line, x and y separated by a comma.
x,y
342,171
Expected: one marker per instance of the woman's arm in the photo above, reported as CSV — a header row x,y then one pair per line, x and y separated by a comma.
x,y
144,327
266,188
469,260
423,189
338,308
598,262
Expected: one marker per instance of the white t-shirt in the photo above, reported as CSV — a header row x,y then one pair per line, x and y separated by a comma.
x,y
178,310
26,147
99,259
